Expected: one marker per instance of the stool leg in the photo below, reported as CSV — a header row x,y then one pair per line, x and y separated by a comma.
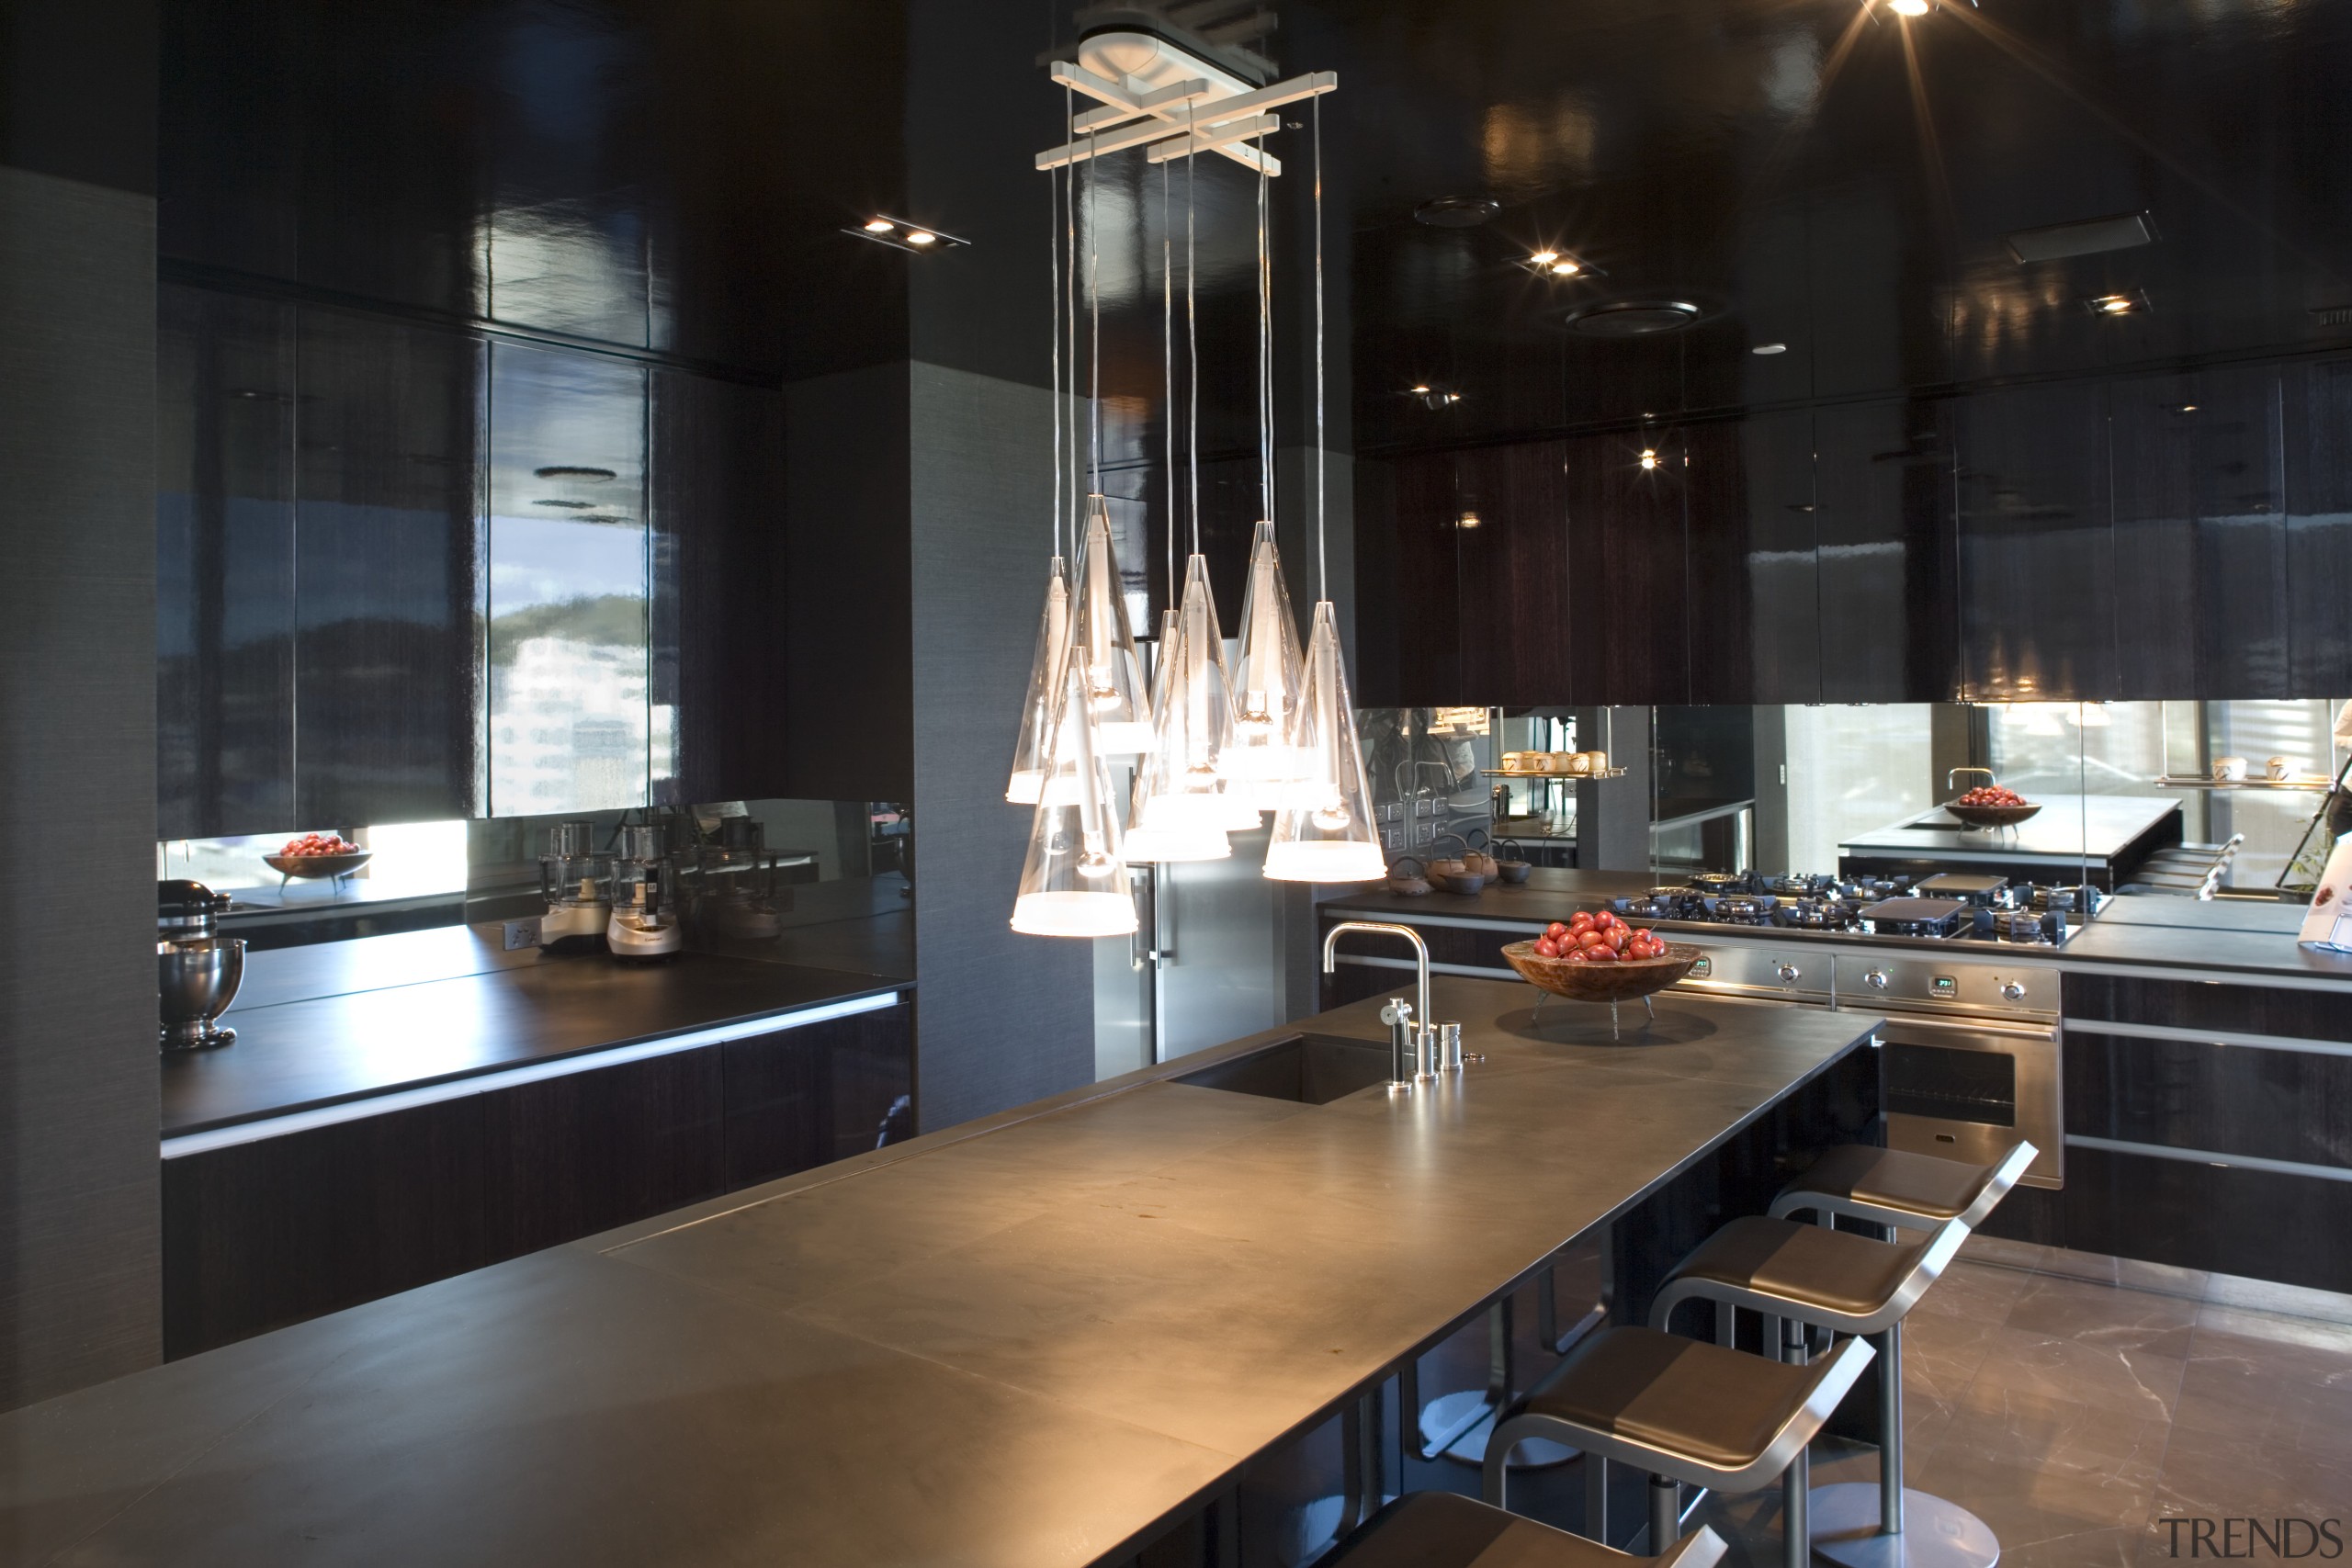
x,y
1666,1514
1796,1482
1890,1435
1595,1497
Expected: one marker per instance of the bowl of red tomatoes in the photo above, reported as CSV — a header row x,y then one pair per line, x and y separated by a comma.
x,y
317,854
1991,806
1595,956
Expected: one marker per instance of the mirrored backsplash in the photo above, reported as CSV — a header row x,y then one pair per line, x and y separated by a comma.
x,y
1848,790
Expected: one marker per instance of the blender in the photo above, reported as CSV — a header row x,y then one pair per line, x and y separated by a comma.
x,y
576,881
644,924
737,893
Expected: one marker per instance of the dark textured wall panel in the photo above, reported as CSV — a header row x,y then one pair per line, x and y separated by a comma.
x,y
78,1228
1003,1018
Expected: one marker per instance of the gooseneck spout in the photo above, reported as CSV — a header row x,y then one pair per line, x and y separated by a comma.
x,y
1415,1026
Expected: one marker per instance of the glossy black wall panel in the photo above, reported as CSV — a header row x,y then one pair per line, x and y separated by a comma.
x,y
2317,439
1754,578
386,659
225,538
1519,644
717,493
2037,545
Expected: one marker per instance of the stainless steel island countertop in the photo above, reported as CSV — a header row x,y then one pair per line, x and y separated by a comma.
x,y
1028,1340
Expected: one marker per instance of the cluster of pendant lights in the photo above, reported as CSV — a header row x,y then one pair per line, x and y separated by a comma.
x,y
1215,748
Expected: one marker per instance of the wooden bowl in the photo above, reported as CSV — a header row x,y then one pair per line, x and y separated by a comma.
x,y
1618,982
317,865
1991,815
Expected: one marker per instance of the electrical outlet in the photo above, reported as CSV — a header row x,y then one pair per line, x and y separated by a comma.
x,y
521,934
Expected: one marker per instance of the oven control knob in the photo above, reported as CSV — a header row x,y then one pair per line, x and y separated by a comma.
x,y
1789,974
2013,990
1876,980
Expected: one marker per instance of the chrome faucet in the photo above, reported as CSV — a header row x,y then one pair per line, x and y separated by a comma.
x,y
1409,1024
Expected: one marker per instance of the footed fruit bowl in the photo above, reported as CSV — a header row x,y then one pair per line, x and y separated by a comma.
x,y
1991,815
1586,982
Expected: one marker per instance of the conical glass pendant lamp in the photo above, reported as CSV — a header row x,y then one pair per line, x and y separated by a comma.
x,y
1148,844
1324,831
1032,752
1327,835
1074,880
1268,678
1178,791
1103,650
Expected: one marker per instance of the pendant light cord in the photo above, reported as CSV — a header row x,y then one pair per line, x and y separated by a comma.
x,y
1054,265
1094,308
1168,367
1265,346
1192,342
1322,574
1069,325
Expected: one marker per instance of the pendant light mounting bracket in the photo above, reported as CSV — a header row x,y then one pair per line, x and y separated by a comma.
x,y
1197,112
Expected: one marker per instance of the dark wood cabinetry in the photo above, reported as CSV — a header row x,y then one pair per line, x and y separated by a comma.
x,y
260,1234
2037,545
2175,536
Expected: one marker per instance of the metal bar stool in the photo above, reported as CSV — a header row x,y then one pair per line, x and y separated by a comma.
x,y
1855,1524
1688,1413
1438,1529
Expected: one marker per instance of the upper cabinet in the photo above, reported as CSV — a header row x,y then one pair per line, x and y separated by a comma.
x,y
2037,545
2316,419
1754,598
1628,568
2201,535
1887,551
1510,534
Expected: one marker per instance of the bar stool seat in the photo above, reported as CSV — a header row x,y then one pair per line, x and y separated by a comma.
x,y
1439,1530
1687,1412
1832,1278
1890,1187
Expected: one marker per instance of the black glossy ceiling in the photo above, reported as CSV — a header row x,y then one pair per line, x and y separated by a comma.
x,y
670,175
1829,178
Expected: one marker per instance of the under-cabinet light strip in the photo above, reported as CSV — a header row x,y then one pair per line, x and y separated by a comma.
x,y
511,1077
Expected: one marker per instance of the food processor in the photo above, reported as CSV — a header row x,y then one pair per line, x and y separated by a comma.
x,y
644,923
576,881
737,889
197,969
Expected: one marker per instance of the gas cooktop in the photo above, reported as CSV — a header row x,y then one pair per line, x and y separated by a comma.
x,y
1952,907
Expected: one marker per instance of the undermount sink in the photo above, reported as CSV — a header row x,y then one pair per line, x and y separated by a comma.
x,y
1309,1069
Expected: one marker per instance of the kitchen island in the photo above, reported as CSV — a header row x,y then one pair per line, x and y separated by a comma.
x,y
2098,838
1041,1338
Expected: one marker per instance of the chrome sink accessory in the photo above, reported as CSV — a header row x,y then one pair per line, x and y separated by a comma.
x,y
1406,1033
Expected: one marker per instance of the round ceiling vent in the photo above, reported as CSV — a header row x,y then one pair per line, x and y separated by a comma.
x,y
1633,318
1455,211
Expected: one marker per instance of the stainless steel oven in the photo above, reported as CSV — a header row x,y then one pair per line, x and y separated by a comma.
x,y
1970,1055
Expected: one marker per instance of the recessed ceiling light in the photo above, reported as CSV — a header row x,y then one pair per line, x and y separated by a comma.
x,y
901,235
1456,211
2125,303
1908,7
1544,258
1467,520
1633,318
1649,458
1420,391
2086,237
1769,349
1565,268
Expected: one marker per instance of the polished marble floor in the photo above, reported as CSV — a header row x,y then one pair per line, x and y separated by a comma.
x,y
2075,1403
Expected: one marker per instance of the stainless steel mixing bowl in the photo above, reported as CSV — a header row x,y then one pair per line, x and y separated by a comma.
x,y
196,978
